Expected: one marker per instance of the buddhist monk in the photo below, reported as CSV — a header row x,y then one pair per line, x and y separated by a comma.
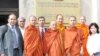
x,y
84,27
61,27
73,38
32,43
52,41
59,20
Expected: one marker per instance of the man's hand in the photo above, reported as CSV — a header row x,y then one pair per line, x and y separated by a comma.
x,y
3,55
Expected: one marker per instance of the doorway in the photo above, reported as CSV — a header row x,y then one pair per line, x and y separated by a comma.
x,y
7,7
3,19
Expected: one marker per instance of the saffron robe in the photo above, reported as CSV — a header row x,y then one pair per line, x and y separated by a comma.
x,y
52,43
85,30
32,43
73,41
61,29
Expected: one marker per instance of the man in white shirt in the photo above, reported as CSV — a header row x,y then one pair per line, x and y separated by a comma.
x,y
21,24
42,29
41,24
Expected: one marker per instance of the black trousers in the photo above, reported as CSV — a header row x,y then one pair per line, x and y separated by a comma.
x,y
97,54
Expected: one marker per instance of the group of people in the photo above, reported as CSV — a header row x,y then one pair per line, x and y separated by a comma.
x,y
56,40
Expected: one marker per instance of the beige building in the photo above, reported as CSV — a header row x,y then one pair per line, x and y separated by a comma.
x,y
50,8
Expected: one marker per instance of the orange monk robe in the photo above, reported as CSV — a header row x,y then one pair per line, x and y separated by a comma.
x,y
52,43
85,30
61,29
32,44
73,41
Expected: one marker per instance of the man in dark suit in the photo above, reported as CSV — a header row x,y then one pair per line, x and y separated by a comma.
x,y
42,30
41,24
21,24
11,41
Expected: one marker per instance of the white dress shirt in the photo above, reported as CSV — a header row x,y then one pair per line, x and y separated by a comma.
x,y
42,28
22,31
93,43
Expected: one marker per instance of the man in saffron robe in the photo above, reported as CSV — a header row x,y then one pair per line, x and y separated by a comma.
x,y
82,25
52,41
73,38
61,27
59,20
32,43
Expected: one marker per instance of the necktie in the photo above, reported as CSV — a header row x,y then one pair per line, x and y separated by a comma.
x,y
42,33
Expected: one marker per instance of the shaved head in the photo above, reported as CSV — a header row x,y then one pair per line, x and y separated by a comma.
x,y
32,20
59,19
82,19
53,25
72,20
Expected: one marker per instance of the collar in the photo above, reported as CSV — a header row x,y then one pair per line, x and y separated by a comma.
x,y
10,25
42,28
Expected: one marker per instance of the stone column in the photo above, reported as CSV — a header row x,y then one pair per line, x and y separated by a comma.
x,y
95,11
27,8
91,9
86,7
98,12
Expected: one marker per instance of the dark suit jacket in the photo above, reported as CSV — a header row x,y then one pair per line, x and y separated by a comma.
x,y
6,40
